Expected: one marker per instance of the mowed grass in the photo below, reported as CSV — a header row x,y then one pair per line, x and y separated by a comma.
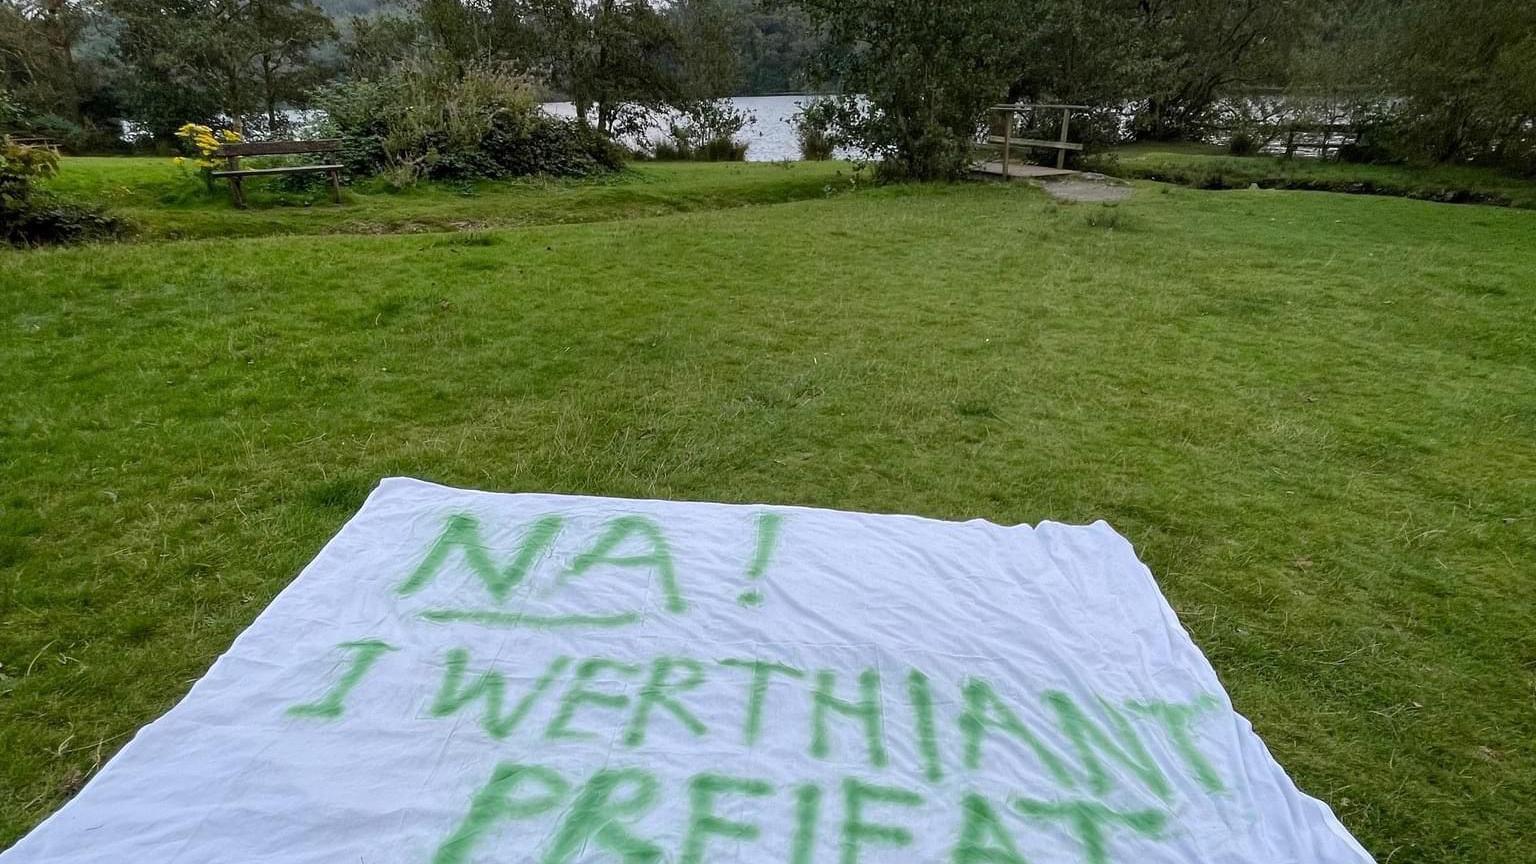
x,y
1314,415
1212,167
160,201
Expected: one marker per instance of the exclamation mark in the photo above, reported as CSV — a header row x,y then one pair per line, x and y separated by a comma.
x,y
767,539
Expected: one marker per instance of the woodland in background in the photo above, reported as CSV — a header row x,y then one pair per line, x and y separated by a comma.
x,y
1422,80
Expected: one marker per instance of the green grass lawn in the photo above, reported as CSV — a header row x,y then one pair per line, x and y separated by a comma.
x,y
1314,415
161,201
1212,167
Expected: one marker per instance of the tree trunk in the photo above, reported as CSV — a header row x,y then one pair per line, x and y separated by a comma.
x,y
269,85
232,105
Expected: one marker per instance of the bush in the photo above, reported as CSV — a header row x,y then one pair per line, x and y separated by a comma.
x,y
713,150
427,121
29,217
1367,149
705,131
815,145
924,74
554,146
1243,143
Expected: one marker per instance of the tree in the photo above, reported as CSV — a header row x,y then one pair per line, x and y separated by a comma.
x,y
917,75
615,59
52,64
377,44
708,65
285,35
192,59
1201,50
925,73
37,48
1464,75
774,45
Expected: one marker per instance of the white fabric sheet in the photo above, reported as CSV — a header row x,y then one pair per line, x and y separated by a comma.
x,y
471,677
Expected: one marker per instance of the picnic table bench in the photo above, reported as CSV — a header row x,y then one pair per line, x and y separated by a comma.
x,y
231,154
34,141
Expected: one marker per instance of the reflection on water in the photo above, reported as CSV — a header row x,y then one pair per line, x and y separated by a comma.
x,y
770,139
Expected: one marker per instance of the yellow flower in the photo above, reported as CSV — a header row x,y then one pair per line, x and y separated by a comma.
x,y
230,135
180,161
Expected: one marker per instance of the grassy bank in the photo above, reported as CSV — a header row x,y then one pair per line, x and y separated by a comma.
x,y
1210,167
1312,414
164,202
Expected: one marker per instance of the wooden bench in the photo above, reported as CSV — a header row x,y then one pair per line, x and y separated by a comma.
x,y
232,153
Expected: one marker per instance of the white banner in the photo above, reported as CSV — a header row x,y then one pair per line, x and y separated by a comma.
x,y
469,677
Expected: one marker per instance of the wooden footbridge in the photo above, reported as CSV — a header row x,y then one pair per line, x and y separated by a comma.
x,y
1007,165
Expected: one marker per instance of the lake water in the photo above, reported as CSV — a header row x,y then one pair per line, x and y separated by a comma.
x,y
770,139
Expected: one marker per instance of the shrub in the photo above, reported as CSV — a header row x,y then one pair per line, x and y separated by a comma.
x,y
427,121
815,145
1243,143
722,150
11,111
1368,148
551,145
705,131
31,217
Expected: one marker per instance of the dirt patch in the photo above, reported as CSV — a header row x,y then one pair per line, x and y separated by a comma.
x,y
1090,188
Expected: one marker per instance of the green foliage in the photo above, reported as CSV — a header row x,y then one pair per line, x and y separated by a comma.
x,y
1193,52
1426,80
195,59
11,111
705,131
708,65
30,217
1243,143
428,119
57,84
616,60
718,47
815,144
773,43
712,150
925,73
20,165
377,44
1465,75
45,220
